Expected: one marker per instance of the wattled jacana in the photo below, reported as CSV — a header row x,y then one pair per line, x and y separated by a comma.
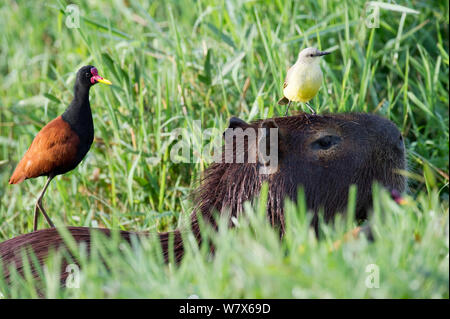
x,y
61,144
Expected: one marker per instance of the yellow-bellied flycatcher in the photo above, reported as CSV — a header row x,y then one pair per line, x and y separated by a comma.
x,y
303,79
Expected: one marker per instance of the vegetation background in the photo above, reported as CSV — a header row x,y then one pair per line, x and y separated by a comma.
x,y
176,62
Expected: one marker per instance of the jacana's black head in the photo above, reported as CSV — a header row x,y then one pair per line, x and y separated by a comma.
x,y
88,76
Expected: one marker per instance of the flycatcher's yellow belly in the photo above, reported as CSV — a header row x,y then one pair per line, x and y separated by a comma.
x,y
303,83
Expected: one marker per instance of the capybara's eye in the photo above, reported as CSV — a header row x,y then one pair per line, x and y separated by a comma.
x,y
325,142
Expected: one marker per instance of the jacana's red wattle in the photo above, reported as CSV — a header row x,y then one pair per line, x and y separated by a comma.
x,y
95,79
95,75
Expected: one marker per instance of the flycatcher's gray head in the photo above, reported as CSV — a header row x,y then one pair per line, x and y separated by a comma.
x,y
309,55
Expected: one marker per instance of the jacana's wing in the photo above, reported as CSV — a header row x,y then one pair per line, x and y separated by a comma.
x,y
53,148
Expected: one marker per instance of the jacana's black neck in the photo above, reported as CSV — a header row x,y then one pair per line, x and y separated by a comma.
x,y
81,92
78,114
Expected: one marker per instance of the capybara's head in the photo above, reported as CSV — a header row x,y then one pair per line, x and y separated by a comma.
x,y
323,154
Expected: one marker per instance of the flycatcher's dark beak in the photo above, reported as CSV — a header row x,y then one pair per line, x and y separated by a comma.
x,y
320,53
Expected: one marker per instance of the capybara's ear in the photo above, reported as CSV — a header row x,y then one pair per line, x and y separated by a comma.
x,y
237,122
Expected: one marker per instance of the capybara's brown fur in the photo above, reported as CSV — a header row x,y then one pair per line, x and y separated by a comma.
x,y
324,154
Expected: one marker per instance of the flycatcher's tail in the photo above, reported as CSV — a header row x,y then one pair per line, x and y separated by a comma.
x,y
283,101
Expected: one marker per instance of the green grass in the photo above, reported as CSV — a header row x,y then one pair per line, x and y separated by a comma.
x,y
250,262
173,63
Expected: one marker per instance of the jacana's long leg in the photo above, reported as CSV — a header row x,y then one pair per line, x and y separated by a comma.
x,y
287,108
36,216
49,221
39,206
310,108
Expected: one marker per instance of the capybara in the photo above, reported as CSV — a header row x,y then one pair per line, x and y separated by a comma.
x,y
323,154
